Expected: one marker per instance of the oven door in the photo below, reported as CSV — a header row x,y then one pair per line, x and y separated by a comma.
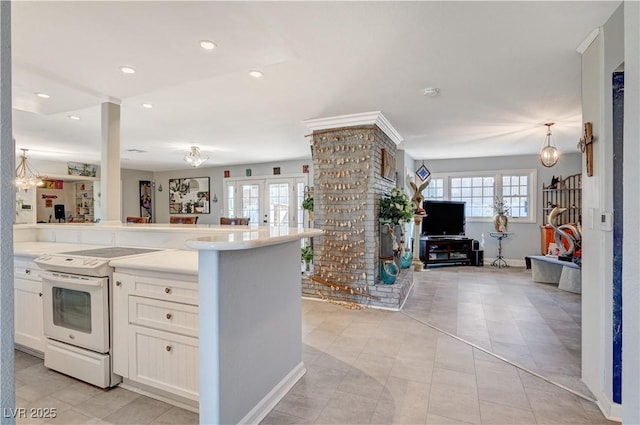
x,y
76,310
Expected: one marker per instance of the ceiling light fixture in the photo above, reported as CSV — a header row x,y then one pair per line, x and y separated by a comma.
x,y
147,105
26,178
127,70
207,45
431,91
74,117
194,158
43,95
549,154
256,74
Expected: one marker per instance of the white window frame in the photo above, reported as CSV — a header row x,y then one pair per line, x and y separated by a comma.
x,y
532,173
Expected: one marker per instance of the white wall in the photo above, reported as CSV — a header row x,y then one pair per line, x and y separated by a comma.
x,y
617,45
526,238
631,265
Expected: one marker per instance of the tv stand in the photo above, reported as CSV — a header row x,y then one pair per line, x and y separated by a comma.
x,y
446,250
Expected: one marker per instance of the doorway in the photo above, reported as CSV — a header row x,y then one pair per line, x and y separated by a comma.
x,y
267,201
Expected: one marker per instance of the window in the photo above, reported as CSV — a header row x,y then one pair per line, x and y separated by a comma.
x,y
435,190
231,202
515,193
479,190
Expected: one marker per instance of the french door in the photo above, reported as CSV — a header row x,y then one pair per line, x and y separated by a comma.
x,y
267,201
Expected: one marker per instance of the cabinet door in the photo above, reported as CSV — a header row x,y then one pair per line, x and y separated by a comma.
x,y
164,361
28,314
120,289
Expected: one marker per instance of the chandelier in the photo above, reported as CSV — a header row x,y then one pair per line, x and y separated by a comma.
x,y
194,158
26,178
549,154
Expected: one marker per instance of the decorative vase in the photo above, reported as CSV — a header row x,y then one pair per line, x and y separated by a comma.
x,y
500,222
405,260
388,272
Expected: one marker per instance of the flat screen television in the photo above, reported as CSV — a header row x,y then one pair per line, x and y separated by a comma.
x,y
444,218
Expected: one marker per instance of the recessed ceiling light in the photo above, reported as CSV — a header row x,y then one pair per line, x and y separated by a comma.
x,y
207,45
147,105
74,117
127,70
43,95
256,74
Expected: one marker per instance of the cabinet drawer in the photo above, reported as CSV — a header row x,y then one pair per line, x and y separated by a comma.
x,y
164,315
164,289
165,361
27,270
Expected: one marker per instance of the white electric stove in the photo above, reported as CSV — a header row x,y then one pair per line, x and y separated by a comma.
x,y
77,304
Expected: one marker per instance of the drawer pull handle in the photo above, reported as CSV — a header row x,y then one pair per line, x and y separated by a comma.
x,y
168,348
169,316
167,290
28,271
118,283
40,293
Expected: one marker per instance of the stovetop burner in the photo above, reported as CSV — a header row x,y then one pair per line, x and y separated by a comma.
x,y
111,252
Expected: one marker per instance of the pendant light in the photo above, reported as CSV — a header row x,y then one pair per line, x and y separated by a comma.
x,y
549,154
194,158
26,178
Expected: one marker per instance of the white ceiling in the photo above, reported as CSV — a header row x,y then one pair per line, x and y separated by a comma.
x,y
503,69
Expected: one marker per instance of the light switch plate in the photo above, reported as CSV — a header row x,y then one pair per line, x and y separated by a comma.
x,y
606,221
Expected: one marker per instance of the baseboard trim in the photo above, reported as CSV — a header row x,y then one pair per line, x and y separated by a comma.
x,y
264,406
612,411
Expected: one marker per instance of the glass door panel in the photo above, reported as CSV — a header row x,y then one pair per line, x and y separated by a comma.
x,y
279,203
250,201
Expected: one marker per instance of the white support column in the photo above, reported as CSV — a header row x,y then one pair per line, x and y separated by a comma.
x,y
7,217
110,197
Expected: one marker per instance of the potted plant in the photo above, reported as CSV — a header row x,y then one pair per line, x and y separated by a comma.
x,y
307,205
396,208
307,257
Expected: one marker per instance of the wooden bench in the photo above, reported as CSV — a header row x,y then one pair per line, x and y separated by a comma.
x,y
566,274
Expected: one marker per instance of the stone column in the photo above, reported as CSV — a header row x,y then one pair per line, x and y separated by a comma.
x,y
348,185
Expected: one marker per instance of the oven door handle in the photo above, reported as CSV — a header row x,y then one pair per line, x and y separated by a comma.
x,y
81,281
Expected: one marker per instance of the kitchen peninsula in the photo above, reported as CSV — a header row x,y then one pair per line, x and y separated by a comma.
x,y
245,294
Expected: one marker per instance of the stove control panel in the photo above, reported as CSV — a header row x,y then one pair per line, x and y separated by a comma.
x,y
87,266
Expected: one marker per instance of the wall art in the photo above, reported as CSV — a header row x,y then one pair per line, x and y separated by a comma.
x,y
189,195
146,199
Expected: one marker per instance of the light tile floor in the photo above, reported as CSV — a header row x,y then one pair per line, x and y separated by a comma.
x,y
381,367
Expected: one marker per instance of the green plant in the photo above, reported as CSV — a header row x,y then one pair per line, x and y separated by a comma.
x,y
307,254
307,204
396,208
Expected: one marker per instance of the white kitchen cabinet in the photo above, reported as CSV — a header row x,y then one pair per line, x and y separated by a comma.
x,y
155,331
164,360
28,305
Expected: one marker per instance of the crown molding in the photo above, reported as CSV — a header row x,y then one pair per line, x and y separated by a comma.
x,y
363,118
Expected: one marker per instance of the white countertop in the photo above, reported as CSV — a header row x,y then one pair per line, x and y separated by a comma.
x,y
245,237
36,248
175,261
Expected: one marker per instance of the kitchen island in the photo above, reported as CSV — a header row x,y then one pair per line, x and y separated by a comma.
x,y
249,341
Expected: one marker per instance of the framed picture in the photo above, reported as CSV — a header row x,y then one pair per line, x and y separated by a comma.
x,y
189,195
81,169
388,170
146,199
